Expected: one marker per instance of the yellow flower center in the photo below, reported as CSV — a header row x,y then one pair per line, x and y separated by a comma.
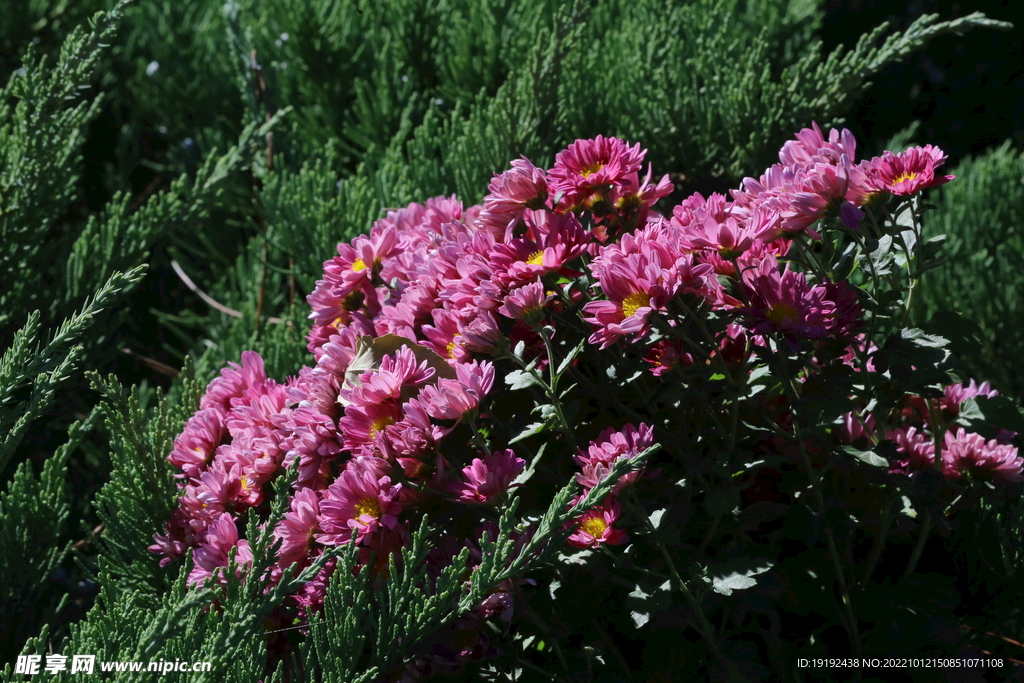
x,y
536,258
634,302
595,526
451,346
378,425
358,265
245,483
591,169
367,506
780,313
903,177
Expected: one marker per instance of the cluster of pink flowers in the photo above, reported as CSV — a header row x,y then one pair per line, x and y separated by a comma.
x,y
453,289
817,178
597,526
963,453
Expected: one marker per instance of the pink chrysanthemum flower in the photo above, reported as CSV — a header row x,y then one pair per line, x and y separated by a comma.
x,y
954,395
480,334
610,446
488,478
450,399
362,259
522,187
527,303
234,381
361,501
666,355
310,598
970,454
853,429
730,237
221,537
178,539
906,173
316,443
589,165
363,426
217,492
597,527
257,460
695,209
397,371
820,192
636,287
810,147
783,302
523,260
919,449
334,307
297,528
632,198
195,447
413,437
336,352
445,337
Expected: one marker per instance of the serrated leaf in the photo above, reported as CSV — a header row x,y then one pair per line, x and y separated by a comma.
x,y
521,379
528,431
921,338
869,457
1000,411
569,358
738,575
528,471
643,603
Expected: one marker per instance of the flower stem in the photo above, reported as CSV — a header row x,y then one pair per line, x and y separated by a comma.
x,y
552,390
837,565
926,527
876,549
615,651
703,626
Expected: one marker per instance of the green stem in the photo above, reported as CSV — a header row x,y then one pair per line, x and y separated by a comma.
x,y
926,527
703,626
876,549
552,391
615,651
833,552
938,431
709,535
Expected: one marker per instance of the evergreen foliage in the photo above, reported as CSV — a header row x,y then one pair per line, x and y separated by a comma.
x,y
41,159
330,112
27,368
34,514
982,216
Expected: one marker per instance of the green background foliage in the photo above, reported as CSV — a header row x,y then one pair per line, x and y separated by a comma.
x,y
243,141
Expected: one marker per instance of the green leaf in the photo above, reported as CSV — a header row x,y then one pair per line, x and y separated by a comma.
x,y
521,379
722,501
738,575
528,431
869,457
643,602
